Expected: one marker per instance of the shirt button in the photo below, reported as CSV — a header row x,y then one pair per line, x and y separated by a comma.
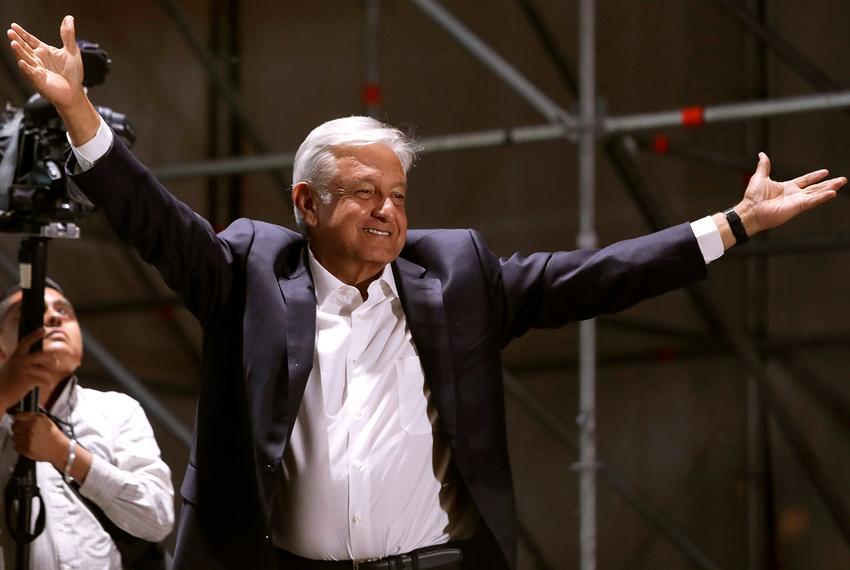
x,y
269,467
359,465
356,519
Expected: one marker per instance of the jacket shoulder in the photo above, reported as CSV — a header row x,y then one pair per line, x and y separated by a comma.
x,y
441,240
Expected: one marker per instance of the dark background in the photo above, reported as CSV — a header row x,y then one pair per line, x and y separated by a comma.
x,y
672,397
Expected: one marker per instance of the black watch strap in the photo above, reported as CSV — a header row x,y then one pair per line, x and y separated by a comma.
x,y
737,226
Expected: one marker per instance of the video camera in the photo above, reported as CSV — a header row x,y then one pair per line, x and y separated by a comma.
x,y
36,198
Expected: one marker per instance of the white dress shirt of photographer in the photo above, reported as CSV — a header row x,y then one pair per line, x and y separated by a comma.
x,y
116,461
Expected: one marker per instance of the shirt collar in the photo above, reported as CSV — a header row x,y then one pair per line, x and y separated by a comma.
x,y
65,403
326,283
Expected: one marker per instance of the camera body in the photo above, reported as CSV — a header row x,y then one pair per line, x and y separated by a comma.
x,y
36,197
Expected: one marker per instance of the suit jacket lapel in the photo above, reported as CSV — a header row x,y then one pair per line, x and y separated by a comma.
x,y
300,299
422,300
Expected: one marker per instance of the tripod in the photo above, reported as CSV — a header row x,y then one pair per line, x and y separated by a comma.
x,y
22,489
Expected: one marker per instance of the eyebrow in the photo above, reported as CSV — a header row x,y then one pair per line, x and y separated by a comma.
x,y
371,180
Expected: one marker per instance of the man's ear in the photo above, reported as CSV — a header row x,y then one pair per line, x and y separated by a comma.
x,y
305,200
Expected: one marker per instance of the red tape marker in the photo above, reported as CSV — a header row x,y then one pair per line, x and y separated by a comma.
x,y
661,144
371,93
693,116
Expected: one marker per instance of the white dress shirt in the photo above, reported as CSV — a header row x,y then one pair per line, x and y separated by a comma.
x,y
128,480
365,473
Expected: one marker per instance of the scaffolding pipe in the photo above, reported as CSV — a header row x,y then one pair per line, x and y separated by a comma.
x,y
371,60
760,496
529,134
665,354
496,63
564,434
207,60
783,50
586,239
747,351
137,389
697,116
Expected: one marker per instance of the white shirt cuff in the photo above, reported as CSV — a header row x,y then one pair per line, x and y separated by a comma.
x,y
708,238
89,153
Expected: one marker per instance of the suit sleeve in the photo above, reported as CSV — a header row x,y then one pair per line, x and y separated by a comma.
x,y
547,290
192,259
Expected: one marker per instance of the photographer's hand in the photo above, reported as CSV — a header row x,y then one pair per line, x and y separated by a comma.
x,y
35,436
57,74
22,371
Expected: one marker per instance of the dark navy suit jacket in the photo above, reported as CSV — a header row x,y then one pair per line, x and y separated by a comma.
x,y
251,290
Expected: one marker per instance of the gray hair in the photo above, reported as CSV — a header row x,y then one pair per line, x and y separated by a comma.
x,y
315,162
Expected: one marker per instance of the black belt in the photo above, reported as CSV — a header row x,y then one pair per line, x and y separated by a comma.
x,y
443,557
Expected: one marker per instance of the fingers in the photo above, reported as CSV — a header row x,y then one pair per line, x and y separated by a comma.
x,y
831,185
25,344
27,38
810,178
819,198
817,194
23,418
23,52
68,35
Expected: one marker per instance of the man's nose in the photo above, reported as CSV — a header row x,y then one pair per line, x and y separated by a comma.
x,y
384,209
52,318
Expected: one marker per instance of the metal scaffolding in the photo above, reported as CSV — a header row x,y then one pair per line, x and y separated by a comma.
x,y
587,129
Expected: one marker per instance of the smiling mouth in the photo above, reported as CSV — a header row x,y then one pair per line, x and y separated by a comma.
x,y
375,232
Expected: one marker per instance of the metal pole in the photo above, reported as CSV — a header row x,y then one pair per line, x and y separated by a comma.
x,y
371,59
536,98
587,464
565,434
33,263
695,116
531,133
747,352
178,16
783,50
759,495
137,389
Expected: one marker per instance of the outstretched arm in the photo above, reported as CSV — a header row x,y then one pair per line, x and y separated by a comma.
x,y
186,250
768,204
57,74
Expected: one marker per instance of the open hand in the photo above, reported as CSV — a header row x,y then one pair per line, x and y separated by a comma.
x,y
768,203
56,73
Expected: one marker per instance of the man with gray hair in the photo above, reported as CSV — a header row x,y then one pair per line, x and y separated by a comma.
x,y
351,411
